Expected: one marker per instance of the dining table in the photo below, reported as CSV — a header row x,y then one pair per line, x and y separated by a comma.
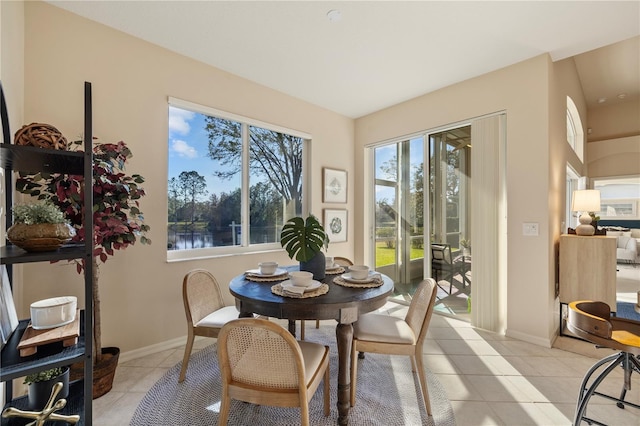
x,y
341,303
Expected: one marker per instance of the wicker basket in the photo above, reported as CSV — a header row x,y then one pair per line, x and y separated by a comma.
x,y
40,135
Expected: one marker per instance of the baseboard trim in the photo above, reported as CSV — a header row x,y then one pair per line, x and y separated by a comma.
x,y
152,349
529,338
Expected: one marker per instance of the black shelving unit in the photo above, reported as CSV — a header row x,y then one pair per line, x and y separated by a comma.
x,y
12,365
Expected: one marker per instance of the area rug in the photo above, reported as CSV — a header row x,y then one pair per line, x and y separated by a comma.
x,y
388,394
627,310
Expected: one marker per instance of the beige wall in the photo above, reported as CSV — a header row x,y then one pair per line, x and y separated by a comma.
x,y
141,292
530,94
614,121
614,157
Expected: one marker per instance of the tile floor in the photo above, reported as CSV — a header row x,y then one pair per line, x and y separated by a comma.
x,y
490,379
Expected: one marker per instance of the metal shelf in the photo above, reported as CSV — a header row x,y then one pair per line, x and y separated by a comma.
x,y
37,160
48,356
75,405
10,255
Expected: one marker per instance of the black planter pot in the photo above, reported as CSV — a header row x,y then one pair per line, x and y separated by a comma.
x,y
39,392
316,265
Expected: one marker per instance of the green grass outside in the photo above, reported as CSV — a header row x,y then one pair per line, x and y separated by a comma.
x,y
387,256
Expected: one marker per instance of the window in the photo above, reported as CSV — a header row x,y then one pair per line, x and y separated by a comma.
x,y
233,182
620,197
575,135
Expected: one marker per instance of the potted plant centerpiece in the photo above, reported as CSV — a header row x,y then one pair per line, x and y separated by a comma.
x,y
117,221
39,227
41,384
303,240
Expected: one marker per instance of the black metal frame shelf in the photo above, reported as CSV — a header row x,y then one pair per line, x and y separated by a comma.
x,y
50,355
75,405
18,158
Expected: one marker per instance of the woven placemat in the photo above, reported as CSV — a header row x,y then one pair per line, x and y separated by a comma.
x,y
323,289
377,282
335,271
263,279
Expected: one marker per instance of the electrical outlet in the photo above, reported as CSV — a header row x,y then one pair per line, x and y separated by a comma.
x,y
530,229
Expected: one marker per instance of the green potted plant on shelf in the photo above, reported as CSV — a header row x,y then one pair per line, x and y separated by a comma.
x,y
39,227
303,240
466,246
117,221
40,385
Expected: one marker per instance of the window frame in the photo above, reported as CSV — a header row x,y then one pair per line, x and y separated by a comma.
x,y
246,122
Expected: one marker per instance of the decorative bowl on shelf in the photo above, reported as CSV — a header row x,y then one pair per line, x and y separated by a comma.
x,y
40,236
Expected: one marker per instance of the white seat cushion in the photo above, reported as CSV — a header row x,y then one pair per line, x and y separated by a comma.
x,y
383,328
312,354
219,318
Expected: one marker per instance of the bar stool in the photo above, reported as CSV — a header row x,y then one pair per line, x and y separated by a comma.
x,y
593,322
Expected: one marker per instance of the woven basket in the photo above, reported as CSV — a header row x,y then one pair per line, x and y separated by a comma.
x,y
40,135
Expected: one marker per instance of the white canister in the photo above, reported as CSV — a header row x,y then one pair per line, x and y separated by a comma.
x,y
54,312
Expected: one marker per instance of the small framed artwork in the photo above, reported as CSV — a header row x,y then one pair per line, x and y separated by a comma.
x,y
8,316
335,185
335,225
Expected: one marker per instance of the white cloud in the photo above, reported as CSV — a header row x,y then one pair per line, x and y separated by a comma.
x,y
179,120
183,149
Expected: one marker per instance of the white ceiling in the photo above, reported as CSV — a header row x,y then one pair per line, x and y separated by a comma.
x,y
382,53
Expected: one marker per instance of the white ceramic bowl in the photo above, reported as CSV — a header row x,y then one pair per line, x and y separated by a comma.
x,y
54,312
301,278
359,272
268,268
329,261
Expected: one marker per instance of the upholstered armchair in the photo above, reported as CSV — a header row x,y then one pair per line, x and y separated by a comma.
x,y
627,249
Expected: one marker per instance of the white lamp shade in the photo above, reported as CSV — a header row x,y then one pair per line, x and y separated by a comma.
x,y
586,200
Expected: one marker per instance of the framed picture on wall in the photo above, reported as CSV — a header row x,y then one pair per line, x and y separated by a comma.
x,y
335,186
335,225
8,316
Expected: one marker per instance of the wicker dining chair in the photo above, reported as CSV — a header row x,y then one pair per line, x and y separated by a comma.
x,y
205,310
385,334
342,261
262,363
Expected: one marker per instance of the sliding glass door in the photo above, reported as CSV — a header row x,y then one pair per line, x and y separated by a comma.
x,y
399,212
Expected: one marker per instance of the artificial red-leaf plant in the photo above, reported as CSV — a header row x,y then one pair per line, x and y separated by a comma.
x,y
117,219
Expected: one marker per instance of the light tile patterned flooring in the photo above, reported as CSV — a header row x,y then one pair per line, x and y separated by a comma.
x,y
490,379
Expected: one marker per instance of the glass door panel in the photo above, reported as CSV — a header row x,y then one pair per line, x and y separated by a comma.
x,y
399,213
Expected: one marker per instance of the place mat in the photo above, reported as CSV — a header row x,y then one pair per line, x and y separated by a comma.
x,y
264,279
376,282
334,271
323,289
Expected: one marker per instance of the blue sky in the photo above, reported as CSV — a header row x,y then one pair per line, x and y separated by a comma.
x,y
188,147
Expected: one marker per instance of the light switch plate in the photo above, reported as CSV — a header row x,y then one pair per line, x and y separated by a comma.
x,y
530,229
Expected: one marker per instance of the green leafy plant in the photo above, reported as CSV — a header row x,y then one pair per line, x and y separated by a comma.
x,y
43,376
117,220
465,243
34,213
302,239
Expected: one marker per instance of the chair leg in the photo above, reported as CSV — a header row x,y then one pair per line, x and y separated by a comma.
x,y
354,372
304,412
301,329
327,392
423,380
187,355
225,404
585,393
317,323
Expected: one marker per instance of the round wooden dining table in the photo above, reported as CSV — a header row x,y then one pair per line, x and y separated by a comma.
x,y
344,304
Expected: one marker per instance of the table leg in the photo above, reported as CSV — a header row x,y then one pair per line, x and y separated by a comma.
x,y
292,327
344,334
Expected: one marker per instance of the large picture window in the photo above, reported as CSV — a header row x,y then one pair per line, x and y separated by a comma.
x,y
233,181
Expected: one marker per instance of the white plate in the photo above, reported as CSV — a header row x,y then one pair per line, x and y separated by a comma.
x,y
348,277
314,285
333,268
256,272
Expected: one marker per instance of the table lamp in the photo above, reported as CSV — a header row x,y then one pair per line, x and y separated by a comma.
x,y
585,201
